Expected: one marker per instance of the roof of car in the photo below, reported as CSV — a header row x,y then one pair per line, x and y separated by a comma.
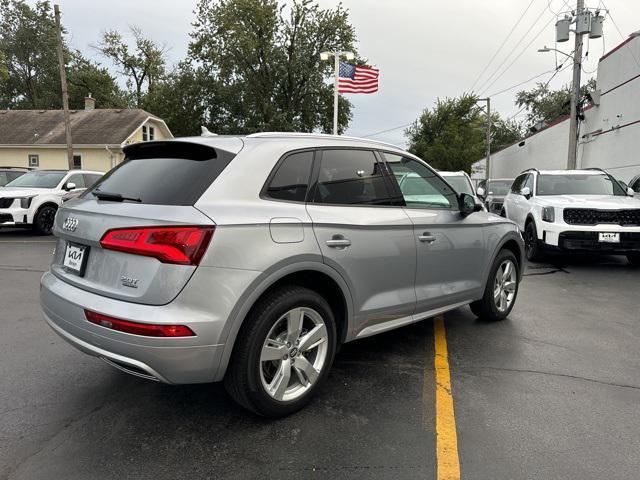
x,y
452,174
59,170
235,143
571,172
500,180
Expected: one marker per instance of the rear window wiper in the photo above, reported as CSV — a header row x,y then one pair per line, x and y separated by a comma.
x,y
115,197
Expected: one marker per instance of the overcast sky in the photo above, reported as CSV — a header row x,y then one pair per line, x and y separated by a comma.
x,y
424,49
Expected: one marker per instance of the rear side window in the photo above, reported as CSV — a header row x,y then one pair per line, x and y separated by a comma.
x,y
291,180
351,177
165,173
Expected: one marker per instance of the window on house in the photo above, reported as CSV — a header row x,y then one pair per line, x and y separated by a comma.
x,y
152,133
145,136
77,162
34,160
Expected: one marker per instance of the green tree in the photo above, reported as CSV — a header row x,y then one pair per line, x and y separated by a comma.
x,y
262,61
32,80
545,105
450,136
504,132
143,66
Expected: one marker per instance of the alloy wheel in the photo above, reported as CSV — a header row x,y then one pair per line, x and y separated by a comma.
x,y
293,354
505,284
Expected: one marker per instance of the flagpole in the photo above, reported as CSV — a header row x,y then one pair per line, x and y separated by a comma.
x,y
336,75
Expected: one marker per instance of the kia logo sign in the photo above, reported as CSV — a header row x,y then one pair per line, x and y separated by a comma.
x,y
70,224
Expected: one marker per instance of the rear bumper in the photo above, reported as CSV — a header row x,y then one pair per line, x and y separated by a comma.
x,y
171,360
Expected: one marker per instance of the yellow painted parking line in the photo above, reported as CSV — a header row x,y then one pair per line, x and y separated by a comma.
x,y
448,463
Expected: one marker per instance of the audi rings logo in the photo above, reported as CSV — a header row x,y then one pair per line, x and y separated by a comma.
x,y
70,224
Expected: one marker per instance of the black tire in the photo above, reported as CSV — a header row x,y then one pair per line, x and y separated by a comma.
x,y
43,220
486,308
532,248
634,259
243,379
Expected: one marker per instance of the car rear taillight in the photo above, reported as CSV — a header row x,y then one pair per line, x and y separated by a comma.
x,y
180,245
145,329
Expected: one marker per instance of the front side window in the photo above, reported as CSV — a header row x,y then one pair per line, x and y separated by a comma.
x,y
34,160
578,184
518,183
291,180
528,183
419,185
38,179
90,179
77,180
636,185
351,177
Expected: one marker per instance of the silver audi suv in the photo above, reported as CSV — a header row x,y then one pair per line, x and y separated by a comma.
x,y
250,259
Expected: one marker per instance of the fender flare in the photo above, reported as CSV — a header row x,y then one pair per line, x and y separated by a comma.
x,y
511,235
258,287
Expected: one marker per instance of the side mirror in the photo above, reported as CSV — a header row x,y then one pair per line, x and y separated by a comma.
x,y
630,192
468,204
526,192
70,186
480,192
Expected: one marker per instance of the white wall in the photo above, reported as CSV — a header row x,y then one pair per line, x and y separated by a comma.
x,y
608,138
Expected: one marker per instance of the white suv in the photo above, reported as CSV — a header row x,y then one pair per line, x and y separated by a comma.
x,y
574,210
33,198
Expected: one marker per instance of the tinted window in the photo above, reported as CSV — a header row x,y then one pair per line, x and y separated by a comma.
x,y
581,184
517,183
13,175
165,173
291,180
351,177
38,179
90,179
419,185
636,185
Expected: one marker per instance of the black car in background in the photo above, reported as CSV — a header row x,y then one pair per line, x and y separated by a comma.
x,y
492,193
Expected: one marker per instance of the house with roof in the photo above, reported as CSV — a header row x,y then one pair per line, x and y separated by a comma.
x,y
36,138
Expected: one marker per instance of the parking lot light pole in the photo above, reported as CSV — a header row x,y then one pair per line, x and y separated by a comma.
x,y
336,75
65,94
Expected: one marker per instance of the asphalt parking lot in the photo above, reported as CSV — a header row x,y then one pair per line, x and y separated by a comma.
x,y
552,392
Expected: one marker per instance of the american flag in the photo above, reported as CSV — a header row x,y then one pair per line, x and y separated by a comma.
x,y
356,79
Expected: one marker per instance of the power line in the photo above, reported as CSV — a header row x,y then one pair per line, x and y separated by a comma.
x,y
387,130
502,44
521,83
620,33
519,55
535,22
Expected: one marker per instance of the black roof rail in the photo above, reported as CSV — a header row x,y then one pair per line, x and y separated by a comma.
x,y
532,169
597,169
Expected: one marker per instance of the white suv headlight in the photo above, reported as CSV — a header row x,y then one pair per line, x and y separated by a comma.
x,y
548,214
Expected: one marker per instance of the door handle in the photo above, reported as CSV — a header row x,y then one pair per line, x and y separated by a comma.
x,y
427,237
338,241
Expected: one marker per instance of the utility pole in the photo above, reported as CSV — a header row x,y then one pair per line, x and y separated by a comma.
x,y
488,137
65,94
575,94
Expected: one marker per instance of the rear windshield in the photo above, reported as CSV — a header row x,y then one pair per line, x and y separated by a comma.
x,y
596,184
460,184
499,187
171,174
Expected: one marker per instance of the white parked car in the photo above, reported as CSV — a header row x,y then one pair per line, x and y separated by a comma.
x,y
32,199
574,210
